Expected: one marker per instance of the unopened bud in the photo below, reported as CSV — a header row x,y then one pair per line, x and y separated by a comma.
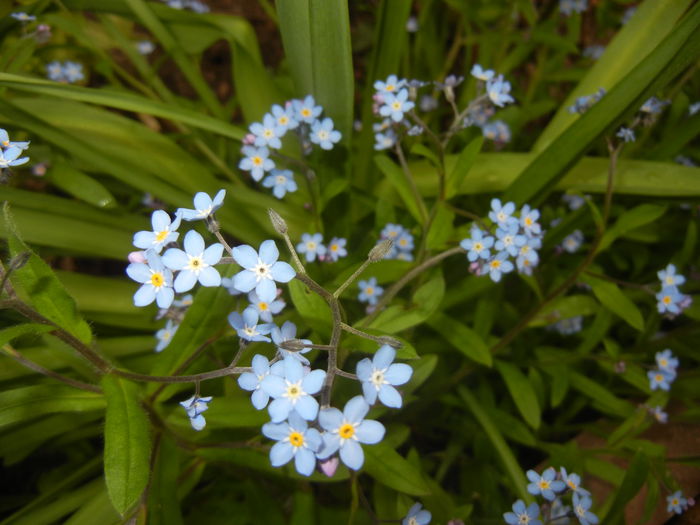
x,y
329,466
388,340
380,250
137,257
293,345
277,221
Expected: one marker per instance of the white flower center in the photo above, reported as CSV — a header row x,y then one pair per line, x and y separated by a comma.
x,y
268,133
396,106
322,135
196,264
311,246
377,378
280,179
294,391
250,330
262,271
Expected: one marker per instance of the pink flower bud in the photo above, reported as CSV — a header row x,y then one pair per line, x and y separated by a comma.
x,y
249,139
329,466
137,257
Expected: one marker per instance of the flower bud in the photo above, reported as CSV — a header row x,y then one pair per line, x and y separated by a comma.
x,y
277,221
293,345
329,466
380,250
137,257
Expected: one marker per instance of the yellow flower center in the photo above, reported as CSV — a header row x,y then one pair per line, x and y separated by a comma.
x,y
268,133
377,378
334,247
281,179
390,87
262,306
311,245
157,279
667,299
572,485
403,242
369,290
495,264
669,280
477,246
396,106
306,112
294,391
346,431
544,484
195,264
659,377
663,362
160,236
283,120
257,161
528,221
166,336
296,439
674,501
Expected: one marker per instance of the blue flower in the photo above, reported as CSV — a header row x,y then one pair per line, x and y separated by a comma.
x,y
369,291
523,515
157,281
669,299
482,74
573,481
654,106
247,326
417,516
293,391
572,242
528,221
391,85
336,248
666,361
256,161
546,484
497,131
195,263
204,206
669,277
54,71
659,414
163,232
306,110
268,133
581,506
527,257
165,335
404,242
497,266
145,47
284,116
72,71
5,141
574,201
23,17
385,140
569,326
502,214
478,245
323,134
345,431
379,376
185,302
194,407
287,332
265,309
294,440
498,90
261,271
281,182
311,246
676,502
509,240
9,158
694,108
584,103
568,7
626,134
391,231
395,105
251,381
660,379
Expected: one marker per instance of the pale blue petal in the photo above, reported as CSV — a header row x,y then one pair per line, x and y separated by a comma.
x,y
194,243
188,215
313,382
276,431
390,397
307,407
250,317
139,272
356,409
245,255
274,385
164,297
198,423
281,453
144,295
259,399
235,320
330,418
296,422
398,374
144,239
331,443
370,432
269,252
175,259
384,357
279,409
266,290
282,272
212,255
248,381
313,439
260,364
202,201
185,281
293,371
364,369
219,198
244,281
209,277
305,462
160,220
351,454
370,393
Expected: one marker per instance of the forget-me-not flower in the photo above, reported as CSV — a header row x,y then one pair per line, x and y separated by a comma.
x,y
287,332
391,85
281,182
498,90
669,277
72,71
284,116
54,71
311,246
497,266
573,241
265,309
384,140
660,379
156,279
23,17
345,431
417,515
509,240
294,440
247,326
497,131
482,74
546,484
502,214
165,335
336,248
370,291
306,110
676,502
669,299
145,47
395,105
528,221
573,481
268,133
256,161
164,232
5,141
204,206
261,270
323,134
666,360
626,134
522,515
9,158
251,381
659,414
194,407
195,263
478,245
379,377
581,506
391,231
294,391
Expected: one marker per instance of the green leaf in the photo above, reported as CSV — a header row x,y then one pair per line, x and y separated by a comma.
x,y
414,204
12,332
45,292
465,161
387,466
604,400
311,307
522,392
565,308
505,454
127,444
295,27
163,504
634,218
441,229
635,477
617,302
462,338
97,509
80,185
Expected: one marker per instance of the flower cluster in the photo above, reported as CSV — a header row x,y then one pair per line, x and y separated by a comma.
x,y
670,300
312,247
10,151
67,71
584,103
302,116
516,238
479,112
402,242
665,374
552,485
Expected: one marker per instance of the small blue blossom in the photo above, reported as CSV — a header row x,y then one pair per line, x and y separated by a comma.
x,y
204,206
666,361
498,131
523,515
284,116
497,266
568,7
165,335
287,332
265,309
336,249
251,381
164,232
9,158
546,484
654,106
572,242
569,326
294,440
156,279
478,245
527,257
660,379
72,72
573,481
379,377
23,17
669,300
293,392
502,214
498,91
311,246
370,291
268,133
306,110
584,103
482,74
528,221
574,201
385,140
404,242
261,271
669,277
247,326
194,407
391,85
54,71
676,502
694,108
145,47
594,52
281,182
659,414
395,105
195,263
509,240
391,231
323,134
256,161
185,302
581,506
417,516
344,431
6,143
626,134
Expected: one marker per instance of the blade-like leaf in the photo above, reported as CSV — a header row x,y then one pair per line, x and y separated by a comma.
x,y
522,392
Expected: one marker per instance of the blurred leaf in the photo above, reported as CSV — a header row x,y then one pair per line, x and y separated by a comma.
x,y
441,229
12,332
602,397
387,466
635,477
45,292
80,185
617,302
565,308
462,338
295,27
521,391
634,218
460,170
96,510
254,86
163,504
127,444
397,178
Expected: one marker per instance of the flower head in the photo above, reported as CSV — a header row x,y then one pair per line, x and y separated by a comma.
x,y
546,484
164,232
502,214
261,270
195,263
281,182
265,309
370,291
395,105
72,71
660,379
391,85
306,110
156,279
482,74
145,47
478,245
676,502
293,391
497,266
498,90
417,516
247,326
294,440
669,277
336,249
666,361
251,381
204,206
573,241
165,335
659,414
626,135
287,332
669,300
284,116
581,505
311,246
256,161
573,482
194,407
9,157
522,515
268,133
379,377
323,134
23,17
6,143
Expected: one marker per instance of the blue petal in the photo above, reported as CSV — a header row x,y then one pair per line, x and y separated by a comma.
x,y
390,397
398,374
185,281
351,454
274,385
248,381
307,407
276,431
370,432
331,443
279,409
370,393
209,277
175,259
144,239
364,369
144,295
160,220
282,272
313,382
305,462
384,357
293,371
266,290
194,243
313,439
212,255
245,255
281,453
269,252
260,364
139,272
235,320
356,409
202,201
244,281
259,399
164,297
330,418
198,422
